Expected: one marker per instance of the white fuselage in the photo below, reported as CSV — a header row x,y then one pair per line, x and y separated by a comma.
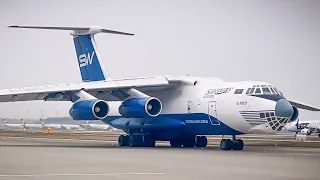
x,y
53,126
14,126
33,126
241,112
96,126
71,126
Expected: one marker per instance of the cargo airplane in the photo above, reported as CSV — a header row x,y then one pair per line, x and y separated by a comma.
x,y
178,109
43,125
13,126
96,127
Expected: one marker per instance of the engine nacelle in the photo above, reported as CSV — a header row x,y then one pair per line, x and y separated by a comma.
x,y
141,107
295,114
89,110
305,131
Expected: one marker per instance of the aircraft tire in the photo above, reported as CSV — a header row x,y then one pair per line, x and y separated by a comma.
x,y
204,141
226,144
135,140
175,143
238,145
201,141
123,140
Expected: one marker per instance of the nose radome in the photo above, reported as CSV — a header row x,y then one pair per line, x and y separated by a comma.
x,y
284,109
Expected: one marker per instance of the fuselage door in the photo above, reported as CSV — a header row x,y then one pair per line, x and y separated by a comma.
x,y
213,113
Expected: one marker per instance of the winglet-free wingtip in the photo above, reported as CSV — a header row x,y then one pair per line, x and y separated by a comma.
x,y
76,30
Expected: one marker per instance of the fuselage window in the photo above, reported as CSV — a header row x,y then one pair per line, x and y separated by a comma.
x,y
258,90
266,90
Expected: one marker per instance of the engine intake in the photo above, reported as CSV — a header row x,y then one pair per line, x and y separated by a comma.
x,y
295,114
89,110
305,131
141,107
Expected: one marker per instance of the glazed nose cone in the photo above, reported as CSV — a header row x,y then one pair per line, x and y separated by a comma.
x,y
284,109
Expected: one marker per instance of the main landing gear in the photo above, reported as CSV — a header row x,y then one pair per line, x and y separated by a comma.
x,y
198,141
149,141
136,141
234,144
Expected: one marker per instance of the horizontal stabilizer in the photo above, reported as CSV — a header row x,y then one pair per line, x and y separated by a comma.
x,y
304,106
90,30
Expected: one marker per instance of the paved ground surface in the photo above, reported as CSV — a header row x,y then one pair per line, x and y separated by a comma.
x,y
29,158
287,140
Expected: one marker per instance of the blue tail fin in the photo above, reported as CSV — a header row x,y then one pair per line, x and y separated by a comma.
x,y
90,64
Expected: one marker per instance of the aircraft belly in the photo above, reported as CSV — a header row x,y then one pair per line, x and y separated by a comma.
x,y
195,123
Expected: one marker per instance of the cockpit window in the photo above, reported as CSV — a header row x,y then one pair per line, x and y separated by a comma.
x,y
266,90
277,91
273,92
248,91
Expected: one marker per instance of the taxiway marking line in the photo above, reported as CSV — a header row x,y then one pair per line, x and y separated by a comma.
x,y
87,174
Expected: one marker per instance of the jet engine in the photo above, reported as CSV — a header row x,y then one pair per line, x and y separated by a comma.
x,y
141,107
295,114
89,110
306,131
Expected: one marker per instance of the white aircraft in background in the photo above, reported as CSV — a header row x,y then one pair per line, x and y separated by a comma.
x,y
13,126
31,125
51,126
99,127
75,127
304,127
179,109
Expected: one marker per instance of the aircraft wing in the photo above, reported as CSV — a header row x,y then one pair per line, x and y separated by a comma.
x,y
304,106
106,90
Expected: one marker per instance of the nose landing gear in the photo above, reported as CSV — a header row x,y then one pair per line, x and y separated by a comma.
x,y
234,144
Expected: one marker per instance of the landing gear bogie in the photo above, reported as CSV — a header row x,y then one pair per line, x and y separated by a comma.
x,y
227,144
238,145
201,141
198,141
123,140
136,141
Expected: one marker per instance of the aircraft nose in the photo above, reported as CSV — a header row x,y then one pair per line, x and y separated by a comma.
x,y
284,109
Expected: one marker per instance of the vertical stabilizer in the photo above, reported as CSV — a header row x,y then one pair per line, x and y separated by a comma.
x,y
90,63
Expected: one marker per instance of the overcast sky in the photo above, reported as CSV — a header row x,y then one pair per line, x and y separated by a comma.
x,y
273,41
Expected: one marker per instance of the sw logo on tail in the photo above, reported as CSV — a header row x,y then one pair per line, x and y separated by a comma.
x,y
85,60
